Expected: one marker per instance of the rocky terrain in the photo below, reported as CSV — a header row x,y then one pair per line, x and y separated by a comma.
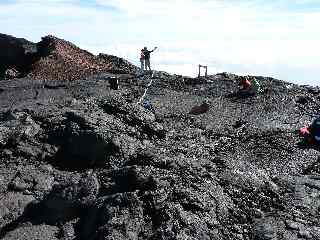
x,y
54,59
81,161
16,53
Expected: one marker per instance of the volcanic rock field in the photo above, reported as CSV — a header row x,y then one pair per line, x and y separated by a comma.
x,y
79,160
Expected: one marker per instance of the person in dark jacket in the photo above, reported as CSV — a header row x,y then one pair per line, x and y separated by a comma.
x,y
146,54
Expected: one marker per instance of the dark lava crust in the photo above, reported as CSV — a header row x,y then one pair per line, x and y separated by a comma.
x,y
81,161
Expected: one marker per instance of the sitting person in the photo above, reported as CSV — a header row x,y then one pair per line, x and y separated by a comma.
x,y
311,134
244,83
245,87
249,86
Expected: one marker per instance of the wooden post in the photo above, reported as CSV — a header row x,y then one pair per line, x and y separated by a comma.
x,y
114,84
206,70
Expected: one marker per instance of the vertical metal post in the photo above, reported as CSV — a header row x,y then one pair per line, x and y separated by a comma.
x,y
206,70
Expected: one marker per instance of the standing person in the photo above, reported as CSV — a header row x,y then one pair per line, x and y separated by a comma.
x,y
146,53
142,59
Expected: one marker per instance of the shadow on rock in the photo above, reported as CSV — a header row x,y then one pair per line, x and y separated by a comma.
x,y
32,210
67,201
313,168
304,144
128,179
84,151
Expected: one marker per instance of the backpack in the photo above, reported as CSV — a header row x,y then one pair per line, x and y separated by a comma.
x,y
315,129
316,123
147,105
141,55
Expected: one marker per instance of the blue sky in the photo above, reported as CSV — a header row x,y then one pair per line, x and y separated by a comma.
x,y
271,38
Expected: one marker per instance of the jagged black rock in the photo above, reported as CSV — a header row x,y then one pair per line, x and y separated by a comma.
x,y
81,161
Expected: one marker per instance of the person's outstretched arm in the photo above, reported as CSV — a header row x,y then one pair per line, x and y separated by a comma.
x,y
154,49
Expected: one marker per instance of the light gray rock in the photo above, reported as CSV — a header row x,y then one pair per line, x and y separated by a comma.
x,y
33,232
12,206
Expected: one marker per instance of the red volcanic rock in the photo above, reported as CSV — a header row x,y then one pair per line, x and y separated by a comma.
x,y
56,59
118,65
62,60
